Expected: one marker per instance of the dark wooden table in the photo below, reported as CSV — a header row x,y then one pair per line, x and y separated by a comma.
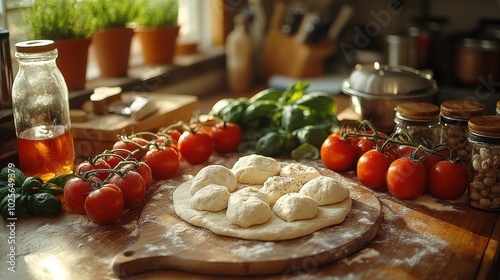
x,y
426,238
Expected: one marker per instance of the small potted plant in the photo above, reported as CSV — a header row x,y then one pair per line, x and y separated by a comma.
x,y
157,30
67,23
113,38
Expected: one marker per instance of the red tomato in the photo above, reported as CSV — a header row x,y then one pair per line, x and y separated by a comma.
x,y
363,146
87,166
112,161
144,170
432,159
226,137
448,180
337,154
163,163
105,205
406,178
136,146
372,168
132,186
75,192
406,150
195,147
174,134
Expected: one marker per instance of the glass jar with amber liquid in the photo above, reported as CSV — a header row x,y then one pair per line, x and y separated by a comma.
x,y
41,112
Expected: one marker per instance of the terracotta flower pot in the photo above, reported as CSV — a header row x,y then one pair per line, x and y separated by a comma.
x,y
112,50
158,43
72,61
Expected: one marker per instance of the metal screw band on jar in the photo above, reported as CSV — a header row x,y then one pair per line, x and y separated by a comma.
x,y
454,128
484,187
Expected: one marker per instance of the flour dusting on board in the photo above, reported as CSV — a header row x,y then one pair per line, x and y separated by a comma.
x,y
362,256
253,250
133,227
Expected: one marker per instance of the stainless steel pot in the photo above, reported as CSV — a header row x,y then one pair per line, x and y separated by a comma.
x,y
376,89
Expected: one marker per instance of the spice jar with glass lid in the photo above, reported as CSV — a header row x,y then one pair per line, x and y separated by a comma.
x,y
420,120
454,118
484,186
40,105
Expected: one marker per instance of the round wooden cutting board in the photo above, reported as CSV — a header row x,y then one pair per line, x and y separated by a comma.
x,y
168,242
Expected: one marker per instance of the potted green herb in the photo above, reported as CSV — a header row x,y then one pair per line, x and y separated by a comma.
x,y
113,37
157,30
67,23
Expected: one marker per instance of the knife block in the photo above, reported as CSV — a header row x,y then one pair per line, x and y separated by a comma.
x,y
287,55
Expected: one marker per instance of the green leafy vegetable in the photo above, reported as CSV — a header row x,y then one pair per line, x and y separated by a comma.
x,y
19,194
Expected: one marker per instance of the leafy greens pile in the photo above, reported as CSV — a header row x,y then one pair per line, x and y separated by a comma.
x,y
277,122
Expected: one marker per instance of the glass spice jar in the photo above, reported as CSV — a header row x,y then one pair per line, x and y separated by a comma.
x,y
40,105
454,117
420,120
484,186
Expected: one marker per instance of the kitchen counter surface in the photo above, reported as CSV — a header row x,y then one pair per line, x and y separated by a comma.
x,y
424,238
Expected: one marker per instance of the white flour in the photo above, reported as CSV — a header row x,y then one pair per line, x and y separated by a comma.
x,y
362,256
133,227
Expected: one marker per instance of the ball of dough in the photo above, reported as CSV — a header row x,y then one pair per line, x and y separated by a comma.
x,y
255,169
255,192
295,206
246,211
214,174
277,186
299,171
211,198
325,190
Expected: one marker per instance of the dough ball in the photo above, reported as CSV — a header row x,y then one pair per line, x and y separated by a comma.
x,y
255,169
214,174
255,192
211,198
300,171
246,211
295,206
325,190
277,186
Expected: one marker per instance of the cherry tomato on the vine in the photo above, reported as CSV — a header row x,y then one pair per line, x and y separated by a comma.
x,y
406,178
105,204
195,147
432,159
76,191
144,170
135,145
372,168
226,137
163,163
132,186
448,180
87,166
337,154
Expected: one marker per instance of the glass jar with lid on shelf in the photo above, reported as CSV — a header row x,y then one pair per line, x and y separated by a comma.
x,y
484,186
420,120
454,117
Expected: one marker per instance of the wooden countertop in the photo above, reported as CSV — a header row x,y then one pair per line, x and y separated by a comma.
x,y
425,238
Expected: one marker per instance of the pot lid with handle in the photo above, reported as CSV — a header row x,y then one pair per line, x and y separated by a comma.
x,y
389,80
